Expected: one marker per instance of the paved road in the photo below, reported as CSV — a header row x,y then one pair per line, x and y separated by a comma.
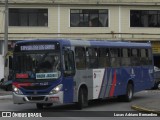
x,y
103,105
99,105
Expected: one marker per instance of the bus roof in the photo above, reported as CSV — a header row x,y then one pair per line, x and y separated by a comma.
x,y
100,43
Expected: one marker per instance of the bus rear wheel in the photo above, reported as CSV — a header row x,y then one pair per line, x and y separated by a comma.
x,y
158,85
82,99
129,93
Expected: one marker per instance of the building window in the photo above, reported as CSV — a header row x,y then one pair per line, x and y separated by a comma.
x,y
28,17
89,18
145,18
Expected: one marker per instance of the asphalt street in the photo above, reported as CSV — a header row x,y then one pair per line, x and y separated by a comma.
x,y
97,105
107,105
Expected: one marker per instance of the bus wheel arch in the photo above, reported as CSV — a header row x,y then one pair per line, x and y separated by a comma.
x,y
82,97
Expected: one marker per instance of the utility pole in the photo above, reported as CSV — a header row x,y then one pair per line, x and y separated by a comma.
x,y
6,70
6,29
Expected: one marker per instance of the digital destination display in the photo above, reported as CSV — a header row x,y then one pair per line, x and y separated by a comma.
x,y
37,47
46,75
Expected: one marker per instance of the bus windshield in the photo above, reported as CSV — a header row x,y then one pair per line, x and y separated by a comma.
x,y
39,65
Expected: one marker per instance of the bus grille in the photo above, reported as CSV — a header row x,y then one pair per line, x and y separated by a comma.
x,y
36,87
38,93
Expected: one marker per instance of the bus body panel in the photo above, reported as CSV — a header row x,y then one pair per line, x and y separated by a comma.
x,y
68,88
112,81
81,78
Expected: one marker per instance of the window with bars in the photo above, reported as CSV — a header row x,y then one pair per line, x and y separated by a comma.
x,y
144,18
28,17
88,18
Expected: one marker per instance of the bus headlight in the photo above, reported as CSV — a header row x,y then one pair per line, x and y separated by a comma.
x,y
56,89
16,90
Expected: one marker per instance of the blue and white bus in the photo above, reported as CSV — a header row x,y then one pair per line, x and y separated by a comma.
x,y
50,72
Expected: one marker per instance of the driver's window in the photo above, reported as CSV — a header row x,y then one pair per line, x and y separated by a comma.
x,y
69,61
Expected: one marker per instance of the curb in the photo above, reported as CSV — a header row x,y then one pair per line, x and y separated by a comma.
x,y
4,97
143,109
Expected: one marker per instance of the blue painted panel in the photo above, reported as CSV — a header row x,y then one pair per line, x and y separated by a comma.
x,y
68,89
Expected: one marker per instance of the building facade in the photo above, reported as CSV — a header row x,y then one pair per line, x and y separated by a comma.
x,y
128,20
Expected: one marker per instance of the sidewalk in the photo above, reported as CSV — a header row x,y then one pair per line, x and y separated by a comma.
x,y
5,94
152,106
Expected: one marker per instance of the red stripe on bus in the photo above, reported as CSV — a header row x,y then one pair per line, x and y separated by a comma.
x,y
113,84
18,85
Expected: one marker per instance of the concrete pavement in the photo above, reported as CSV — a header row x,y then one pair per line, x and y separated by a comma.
x,y
152,106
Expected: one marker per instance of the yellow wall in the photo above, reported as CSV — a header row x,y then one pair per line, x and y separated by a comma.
x,y
65,22
59,25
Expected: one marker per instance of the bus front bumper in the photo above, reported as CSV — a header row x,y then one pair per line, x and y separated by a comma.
x,y
54,98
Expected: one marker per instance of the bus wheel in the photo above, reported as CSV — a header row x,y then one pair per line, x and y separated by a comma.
x,y
158,86
129,93
39,105
82,99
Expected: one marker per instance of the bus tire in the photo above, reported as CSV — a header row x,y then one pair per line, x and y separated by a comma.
x,y
158,85
82,99
129,93
39,105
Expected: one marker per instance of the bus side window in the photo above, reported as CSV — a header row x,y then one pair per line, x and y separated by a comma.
x,y
115,57
103,58
80,58
144,59
92,57
149,51
69,67
125,60
135,60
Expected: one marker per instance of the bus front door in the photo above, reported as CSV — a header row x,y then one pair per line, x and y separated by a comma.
x,y
69,72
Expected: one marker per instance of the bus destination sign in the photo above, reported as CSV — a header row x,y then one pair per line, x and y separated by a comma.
x,y
37,47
